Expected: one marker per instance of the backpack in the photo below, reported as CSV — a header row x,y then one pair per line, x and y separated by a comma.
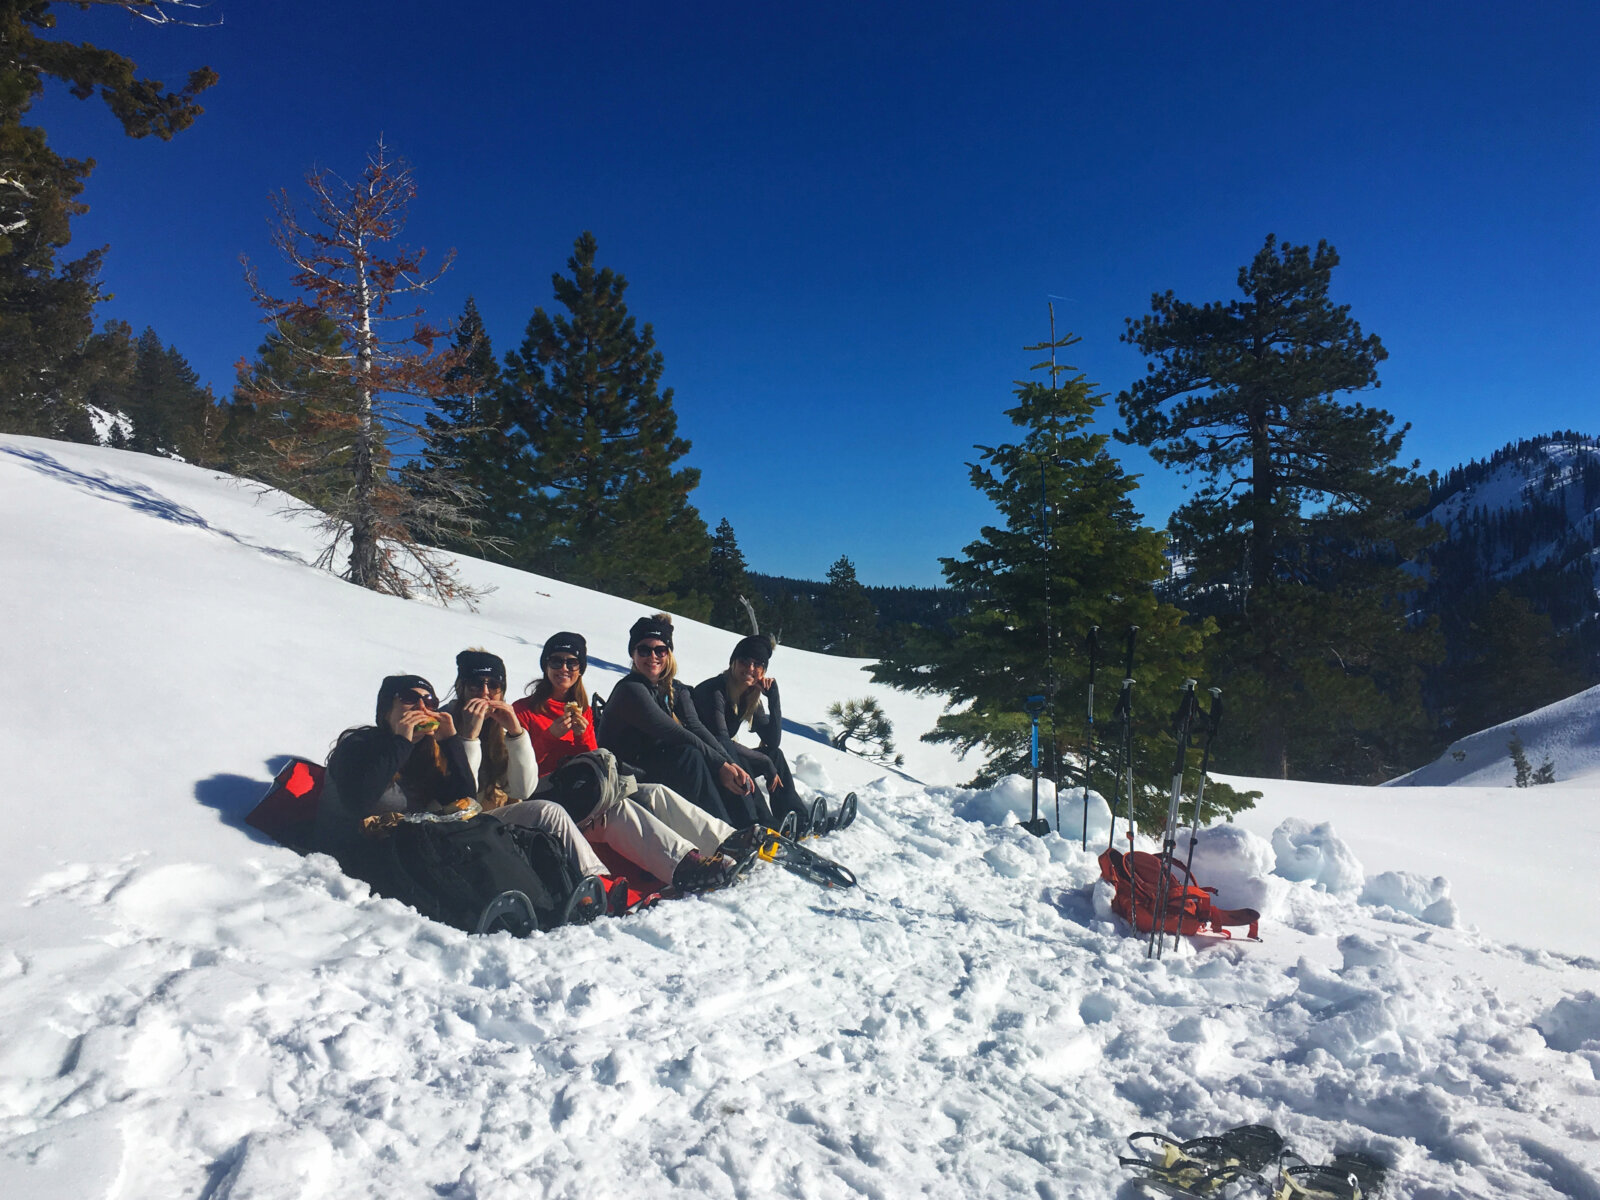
x,y
584,784
288,812
480,875
1139,878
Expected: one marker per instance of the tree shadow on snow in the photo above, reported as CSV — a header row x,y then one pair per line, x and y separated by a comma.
x,y
138,496
233,796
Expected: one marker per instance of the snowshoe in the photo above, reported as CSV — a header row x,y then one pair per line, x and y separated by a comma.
x,y
588,901
808,864
1202,1166
846,814
1346,1176
704,872
511,911
817,821
790,825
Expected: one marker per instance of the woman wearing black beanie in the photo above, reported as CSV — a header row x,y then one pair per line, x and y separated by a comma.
x,y
651,723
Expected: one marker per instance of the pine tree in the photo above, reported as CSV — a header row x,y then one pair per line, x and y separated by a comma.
x,y
1070,554
1296,538
277,409
849,620
50,355
368,393
611,510
474,442
726,581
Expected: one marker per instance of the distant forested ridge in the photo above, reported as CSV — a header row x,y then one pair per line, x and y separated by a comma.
x,y
1514,579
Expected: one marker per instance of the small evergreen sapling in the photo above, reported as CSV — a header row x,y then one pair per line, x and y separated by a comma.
x,y
1526,775
864,723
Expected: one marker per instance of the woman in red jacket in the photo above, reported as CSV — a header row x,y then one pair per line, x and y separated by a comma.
x,y
653,826
556,711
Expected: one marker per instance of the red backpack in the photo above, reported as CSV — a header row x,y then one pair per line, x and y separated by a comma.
x,y
1189,910
288,812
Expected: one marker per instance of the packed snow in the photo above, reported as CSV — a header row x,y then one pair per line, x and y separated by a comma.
x,y
192,1011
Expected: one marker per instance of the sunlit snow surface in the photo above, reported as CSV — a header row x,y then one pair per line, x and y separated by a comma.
x,y
188,1011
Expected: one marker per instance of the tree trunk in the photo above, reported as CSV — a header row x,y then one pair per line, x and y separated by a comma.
x,y
364,517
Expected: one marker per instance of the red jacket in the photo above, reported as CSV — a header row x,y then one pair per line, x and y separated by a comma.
x,y
553,751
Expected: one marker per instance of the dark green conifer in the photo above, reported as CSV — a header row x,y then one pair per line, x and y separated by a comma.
x,y
50,355
849,620
477,443
1085,560
1295,539
611,509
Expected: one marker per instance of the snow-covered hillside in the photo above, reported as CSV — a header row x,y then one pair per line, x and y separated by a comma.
x,y
189,1011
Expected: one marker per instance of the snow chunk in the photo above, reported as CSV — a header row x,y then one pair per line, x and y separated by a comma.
x,y
1315,854
1011,800
1573,1024
1427,899
812,773
1238,864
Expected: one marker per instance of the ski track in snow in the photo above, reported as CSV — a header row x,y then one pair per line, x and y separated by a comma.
x,y
189,1012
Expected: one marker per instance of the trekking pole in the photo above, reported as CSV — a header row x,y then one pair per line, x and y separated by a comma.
x,y
1088,747
1169,839
1127,734
1037,825
1210,720
1124,713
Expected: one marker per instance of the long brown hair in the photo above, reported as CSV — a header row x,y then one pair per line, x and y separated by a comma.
x,y
540,690
494,770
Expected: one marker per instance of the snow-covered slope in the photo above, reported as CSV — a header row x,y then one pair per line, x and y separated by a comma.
x,y
189,1011
1565,734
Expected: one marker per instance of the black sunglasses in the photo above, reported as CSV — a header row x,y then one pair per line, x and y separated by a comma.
x,y
418,696
564,664
656,651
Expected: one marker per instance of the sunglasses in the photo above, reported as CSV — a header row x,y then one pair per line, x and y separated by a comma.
x,y
417,696
656,651
564,664
476,681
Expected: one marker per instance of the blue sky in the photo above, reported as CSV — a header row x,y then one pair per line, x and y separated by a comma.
x,y
845,220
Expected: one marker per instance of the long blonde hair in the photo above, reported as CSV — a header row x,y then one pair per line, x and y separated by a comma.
x,y
745,701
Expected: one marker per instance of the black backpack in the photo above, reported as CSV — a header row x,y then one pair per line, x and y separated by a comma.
x,y
481,875
582,783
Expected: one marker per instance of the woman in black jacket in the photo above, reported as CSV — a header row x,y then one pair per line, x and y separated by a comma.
x,y
743,695
413,761
651,724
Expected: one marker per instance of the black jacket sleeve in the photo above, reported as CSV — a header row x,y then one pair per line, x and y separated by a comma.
x,y
633,707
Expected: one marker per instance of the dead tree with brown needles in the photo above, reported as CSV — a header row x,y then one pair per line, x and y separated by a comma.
x,y
351,380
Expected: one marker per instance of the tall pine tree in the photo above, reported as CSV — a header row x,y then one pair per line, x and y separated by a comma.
x,y
1295,540
611,509
475,442
50,355
1071,553
726,579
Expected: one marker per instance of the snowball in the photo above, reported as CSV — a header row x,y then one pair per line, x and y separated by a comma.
x,y
1316,854
1427,899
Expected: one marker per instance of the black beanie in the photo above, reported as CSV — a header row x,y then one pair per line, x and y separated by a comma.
x,y
649,627
572,643
757,648
392,686
480,664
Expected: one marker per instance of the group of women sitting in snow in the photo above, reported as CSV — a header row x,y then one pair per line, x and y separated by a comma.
x,y
696,784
